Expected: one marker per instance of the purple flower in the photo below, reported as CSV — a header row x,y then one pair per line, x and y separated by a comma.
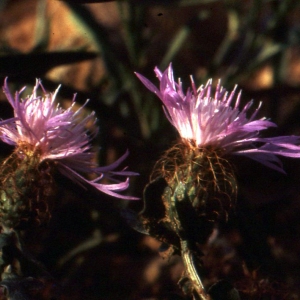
x,y
209,120
44,129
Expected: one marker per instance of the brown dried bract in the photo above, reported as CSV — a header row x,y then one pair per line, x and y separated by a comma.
x,y
208,176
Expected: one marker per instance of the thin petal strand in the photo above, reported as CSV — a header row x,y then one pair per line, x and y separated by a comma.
x,y
214,120
59,135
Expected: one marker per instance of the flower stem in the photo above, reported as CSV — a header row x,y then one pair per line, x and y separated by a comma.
x,y
189,263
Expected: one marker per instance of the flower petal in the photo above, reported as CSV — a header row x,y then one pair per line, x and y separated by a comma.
x,y
59,135
212,121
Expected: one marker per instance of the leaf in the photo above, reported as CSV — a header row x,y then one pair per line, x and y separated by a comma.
x,y
223,290
267,53
37,64
20,288
84,18
133,220
153,206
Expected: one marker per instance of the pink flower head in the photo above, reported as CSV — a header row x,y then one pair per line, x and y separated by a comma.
x,y
44,128
210,120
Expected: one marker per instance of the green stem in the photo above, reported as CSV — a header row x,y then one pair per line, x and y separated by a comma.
x,y
189,264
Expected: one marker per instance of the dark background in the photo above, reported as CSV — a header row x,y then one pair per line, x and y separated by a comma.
x,y
93,50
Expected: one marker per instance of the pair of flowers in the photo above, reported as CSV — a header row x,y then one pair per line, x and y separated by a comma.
x,y
202,120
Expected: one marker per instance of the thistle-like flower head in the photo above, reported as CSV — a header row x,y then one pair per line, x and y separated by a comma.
x,y
43,129
210,120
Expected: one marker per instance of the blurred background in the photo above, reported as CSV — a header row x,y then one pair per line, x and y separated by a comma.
x,y
93,49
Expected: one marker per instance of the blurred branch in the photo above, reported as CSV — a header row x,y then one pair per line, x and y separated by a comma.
x,y
266,54
86,1
249,42
282,8
42,28
3,4
88,244
122,76
231,36
97,33
133,18
179,39
37,64
148,2
253,48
